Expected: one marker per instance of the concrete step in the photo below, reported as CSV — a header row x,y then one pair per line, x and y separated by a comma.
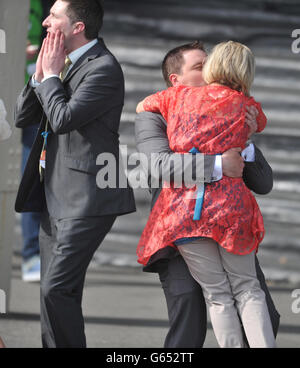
x,y
135,53
280,210
166,19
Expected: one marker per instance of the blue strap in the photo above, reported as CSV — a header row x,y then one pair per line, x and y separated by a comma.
x,y
200,194
199,202
45,136
194,151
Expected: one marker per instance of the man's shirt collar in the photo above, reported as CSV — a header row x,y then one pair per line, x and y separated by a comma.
x,y
76,54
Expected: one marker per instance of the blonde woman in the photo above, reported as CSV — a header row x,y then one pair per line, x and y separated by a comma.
x,y
218,230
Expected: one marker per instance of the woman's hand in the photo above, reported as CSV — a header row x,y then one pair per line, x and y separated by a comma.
x,y
140,107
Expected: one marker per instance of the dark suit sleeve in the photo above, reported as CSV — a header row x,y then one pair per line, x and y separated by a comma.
x,y
28,110
94,97
151,140
258,175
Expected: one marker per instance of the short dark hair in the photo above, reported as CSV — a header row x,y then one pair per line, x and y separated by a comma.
x,y
173,61
90,12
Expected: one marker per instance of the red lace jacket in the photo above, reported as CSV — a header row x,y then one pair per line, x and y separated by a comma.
x,y
212,120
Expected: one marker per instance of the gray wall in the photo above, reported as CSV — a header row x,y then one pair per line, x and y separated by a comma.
x,y
14,22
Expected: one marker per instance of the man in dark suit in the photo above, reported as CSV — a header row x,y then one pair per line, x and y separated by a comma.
x,y
78,101
184,297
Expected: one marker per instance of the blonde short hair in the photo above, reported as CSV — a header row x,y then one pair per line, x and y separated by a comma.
x,y
231,64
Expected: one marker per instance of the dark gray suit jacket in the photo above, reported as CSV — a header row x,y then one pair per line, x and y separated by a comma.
x,y
84,115
151,137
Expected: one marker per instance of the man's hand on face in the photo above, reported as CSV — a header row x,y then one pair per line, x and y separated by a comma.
x,y
39,75
233,163
54,54
251,115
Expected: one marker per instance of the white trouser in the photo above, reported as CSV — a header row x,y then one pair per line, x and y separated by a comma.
x,y
230,287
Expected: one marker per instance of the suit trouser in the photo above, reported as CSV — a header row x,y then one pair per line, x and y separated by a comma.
x,y
67,247
30,221
231,290
187,308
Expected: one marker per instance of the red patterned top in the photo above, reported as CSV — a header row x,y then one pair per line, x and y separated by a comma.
x,y
211,119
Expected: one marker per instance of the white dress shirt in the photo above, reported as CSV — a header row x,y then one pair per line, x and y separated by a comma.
x,y
248,155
